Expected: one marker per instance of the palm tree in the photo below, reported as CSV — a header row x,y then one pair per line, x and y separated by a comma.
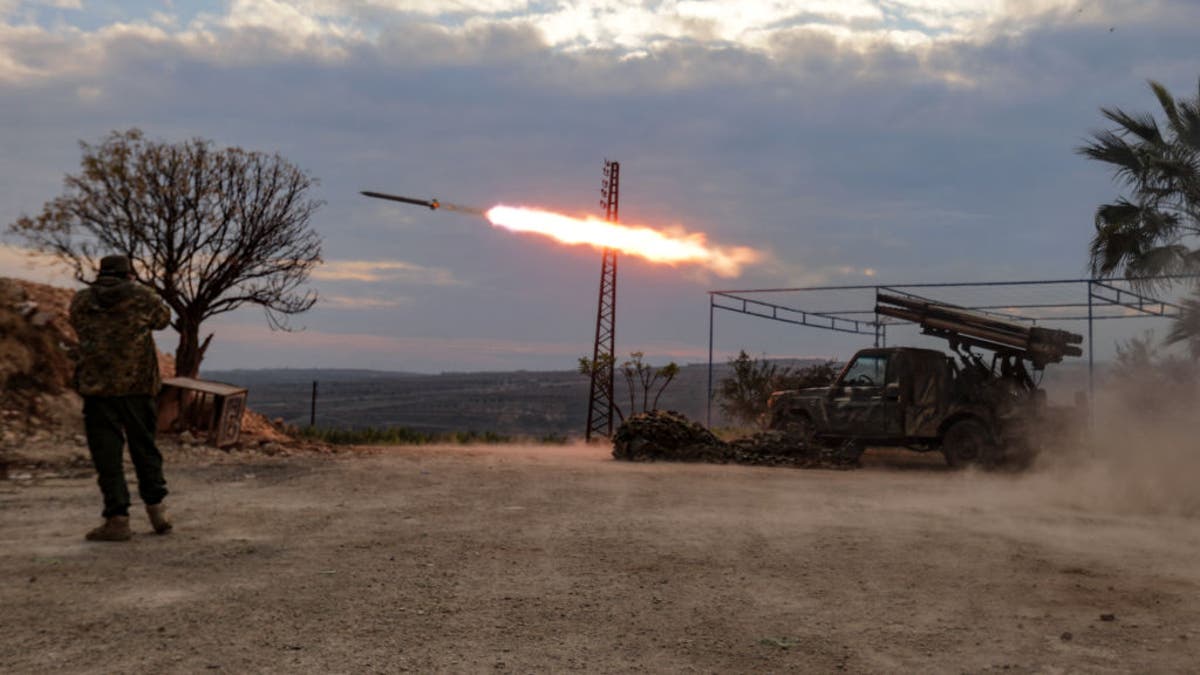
x,y
1155,229
1186,328
1152,230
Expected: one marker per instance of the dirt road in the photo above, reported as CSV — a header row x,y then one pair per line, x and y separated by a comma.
x,y
557,559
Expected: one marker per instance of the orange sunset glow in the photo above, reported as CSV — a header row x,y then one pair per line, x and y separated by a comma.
x,y
658,246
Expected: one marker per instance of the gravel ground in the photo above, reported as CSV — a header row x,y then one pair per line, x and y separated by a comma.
x,y
551,559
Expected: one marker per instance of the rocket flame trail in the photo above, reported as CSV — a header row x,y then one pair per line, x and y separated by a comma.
x,y
671,247
654,245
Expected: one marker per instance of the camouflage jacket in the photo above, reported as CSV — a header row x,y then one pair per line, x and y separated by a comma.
x,y
113,319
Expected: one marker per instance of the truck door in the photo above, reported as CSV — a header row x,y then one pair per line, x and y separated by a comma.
x,y
860,407
925,395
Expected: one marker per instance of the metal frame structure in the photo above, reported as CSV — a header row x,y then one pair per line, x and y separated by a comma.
x,y
600,400
1102,298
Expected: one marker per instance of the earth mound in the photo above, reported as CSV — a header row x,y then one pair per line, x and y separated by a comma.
x,y
666,435
36,366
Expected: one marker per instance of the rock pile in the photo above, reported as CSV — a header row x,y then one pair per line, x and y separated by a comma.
x,y
669,436
666,435
35,358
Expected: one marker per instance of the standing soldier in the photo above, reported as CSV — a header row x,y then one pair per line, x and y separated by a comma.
x,y
117,375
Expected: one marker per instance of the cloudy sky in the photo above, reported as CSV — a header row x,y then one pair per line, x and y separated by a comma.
x,y
851,141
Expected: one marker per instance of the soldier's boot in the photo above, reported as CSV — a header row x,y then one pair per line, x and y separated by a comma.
x,y
158,518
115,528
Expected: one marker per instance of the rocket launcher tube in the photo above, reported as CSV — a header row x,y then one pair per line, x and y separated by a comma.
x,y
959,315
1040,345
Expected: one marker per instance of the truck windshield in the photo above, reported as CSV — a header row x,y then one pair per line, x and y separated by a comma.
x,y
866,371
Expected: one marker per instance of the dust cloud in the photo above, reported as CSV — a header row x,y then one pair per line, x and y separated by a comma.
x,y
1140,454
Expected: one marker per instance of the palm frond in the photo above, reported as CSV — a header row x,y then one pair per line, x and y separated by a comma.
x,y
1119,237
1189,122
1139,240
1110,148
1141,125
1186,328
1159,261
1159,225
1174,169
1169,106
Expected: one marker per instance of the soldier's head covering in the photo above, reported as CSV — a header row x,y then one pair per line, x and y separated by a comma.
x,y
115,266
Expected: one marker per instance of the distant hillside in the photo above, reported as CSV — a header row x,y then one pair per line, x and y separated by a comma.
x,y
532,403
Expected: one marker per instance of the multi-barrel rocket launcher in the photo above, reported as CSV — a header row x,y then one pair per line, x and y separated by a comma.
x,y
965,328
972,412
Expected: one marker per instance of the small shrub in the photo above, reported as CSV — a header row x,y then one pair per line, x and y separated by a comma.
x,y
743,395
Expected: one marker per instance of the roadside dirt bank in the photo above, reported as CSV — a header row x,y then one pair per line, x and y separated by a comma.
x,y
551,559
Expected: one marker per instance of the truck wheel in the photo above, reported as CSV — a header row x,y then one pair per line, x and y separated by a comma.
x,y
967,443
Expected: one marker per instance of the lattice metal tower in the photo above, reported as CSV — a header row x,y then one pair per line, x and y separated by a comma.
x,y
600,403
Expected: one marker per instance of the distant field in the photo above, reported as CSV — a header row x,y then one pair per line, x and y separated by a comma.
x,y
524,403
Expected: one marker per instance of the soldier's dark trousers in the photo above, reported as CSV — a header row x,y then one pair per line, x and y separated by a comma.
x,y
110,421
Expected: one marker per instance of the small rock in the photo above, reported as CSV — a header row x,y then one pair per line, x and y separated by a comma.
x,y
27,308
270,448
1066,636
79,439
41,319
186,438
1108,617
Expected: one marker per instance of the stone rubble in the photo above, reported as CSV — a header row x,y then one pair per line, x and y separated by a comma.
x,y
666,435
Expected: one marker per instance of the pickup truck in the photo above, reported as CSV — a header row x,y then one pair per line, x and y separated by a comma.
x,y
922,399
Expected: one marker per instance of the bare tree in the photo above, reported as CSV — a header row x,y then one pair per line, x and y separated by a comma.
x,y
209,229
640,378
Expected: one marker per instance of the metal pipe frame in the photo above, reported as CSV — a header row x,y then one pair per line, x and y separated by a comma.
x,y
1142,304
829,321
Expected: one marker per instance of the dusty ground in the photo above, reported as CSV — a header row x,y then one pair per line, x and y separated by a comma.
x,y
558,558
